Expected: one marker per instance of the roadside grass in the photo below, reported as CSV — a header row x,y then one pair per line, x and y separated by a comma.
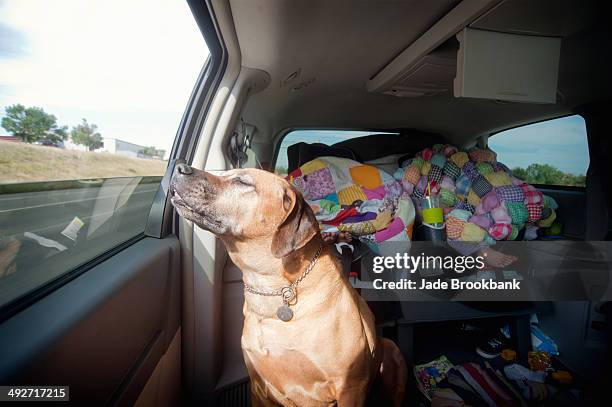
x,y
26,163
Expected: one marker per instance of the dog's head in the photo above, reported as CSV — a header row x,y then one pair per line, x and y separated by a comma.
x,y
244,204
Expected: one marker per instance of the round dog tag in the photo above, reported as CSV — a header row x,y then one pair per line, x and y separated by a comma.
x,y
284,313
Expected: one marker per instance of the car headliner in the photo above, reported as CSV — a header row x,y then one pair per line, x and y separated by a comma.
x,y
336,46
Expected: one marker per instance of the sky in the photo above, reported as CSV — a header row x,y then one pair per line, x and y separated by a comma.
x,y
560,142
128,66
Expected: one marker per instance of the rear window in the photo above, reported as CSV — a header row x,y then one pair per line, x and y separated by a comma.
x,y
328,137
552,152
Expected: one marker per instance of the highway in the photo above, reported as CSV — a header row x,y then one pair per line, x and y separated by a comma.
x,y
47,213
111,211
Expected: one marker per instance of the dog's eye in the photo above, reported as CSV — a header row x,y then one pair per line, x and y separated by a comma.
x,y
241,181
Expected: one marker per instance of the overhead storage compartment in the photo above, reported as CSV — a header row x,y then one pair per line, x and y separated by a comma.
x,y
400,77
509,51
510,67
431,75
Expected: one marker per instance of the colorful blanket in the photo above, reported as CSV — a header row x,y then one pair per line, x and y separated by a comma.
x,y
481,198
363,200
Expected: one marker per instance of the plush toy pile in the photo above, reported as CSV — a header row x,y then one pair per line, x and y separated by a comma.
x,y
347,196
482,201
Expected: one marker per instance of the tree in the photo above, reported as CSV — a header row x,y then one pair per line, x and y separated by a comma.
x,y
33,124
151,151
544,174
148,151
520,173
547,175
86,134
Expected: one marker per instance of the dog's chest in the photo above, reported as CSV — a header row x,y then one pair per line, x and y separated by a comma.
x,y
287,373
323,350
314,351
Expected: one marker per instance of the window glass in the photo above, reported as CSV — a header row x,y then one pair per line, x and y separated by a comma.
x,y
328,137
554,152
91,96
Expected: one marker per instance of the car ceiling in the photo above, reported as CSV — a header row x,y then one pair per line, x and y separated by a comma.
x,y
336,46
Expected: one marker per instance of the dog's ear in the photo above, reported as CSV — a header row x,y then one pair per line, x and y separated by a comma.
x,y
298,227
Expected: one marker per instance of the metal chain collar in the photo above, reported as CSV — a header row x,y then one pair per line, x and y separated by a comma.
x,y
287,292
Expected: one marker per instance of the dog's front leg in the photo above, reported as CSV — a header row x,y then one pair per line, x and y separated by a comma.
x,y
259,394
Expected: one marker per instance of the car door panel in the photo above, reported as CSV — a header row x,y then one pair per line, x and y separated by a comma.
x,y
571,211
103,332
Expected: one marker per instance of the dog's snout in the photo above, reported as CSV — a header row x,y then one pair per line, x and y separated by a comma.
x,y
184,169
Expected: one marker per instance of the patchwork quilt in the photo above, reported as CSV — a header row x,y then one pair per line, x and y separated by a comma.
x,y
482,200
363,200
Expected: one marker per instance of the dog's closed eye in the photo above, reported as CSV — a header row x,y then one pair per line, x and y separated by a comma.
x,y
242,182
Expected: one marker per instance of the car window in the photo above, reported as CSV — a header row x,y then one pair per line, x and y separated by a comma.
x,y
328,137
89,109
552,152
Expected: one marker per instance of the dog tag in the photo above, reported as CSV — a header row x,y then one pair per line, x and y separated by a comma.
x,y
284,313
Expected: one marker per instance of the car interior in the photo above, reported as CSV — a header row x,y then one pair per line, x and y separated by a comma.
x,y
158,319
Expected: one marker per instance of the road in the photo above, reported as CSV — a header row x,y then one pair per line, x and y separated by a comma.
x,y
111,210
48,213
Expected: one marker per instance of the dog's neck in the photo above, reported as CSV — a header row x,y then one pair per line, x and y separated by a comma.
x,y
265,272
261,269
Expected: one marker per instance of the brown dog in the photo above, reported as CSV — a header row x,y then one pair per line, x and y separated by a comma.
x,y
327,351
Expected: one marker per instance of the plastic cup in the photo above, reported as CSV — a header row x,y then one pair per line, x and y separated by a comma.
x,y
431,211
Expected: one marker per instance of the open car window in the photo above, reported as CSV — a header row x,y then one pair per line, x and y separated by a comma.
x,y
87,127
327,137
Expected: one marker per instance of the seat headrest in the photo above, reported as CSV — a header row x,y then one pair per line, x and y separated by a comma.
x,y
300,153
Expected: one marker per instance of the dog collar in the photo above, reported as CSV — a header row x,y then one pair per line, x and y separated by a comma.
x,y
287,293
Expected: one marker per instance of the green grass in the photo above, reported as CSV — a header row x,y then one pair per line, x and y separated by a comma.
x,y
26,163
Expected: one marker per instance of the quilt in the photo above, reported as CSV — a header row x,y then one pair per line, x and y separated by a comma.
x,y
481,198
363,200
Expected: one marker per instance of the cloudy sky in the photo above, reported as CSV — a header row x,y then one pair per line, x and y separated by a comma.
x,y
129,66
126,65
560,142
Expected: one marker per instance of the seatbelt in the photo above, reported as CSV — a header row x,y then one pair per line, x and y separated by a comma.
x,y
347,252
239,143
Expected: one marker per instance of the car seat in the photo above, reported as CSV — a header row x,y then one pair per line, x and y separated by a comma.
x,y
362,149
